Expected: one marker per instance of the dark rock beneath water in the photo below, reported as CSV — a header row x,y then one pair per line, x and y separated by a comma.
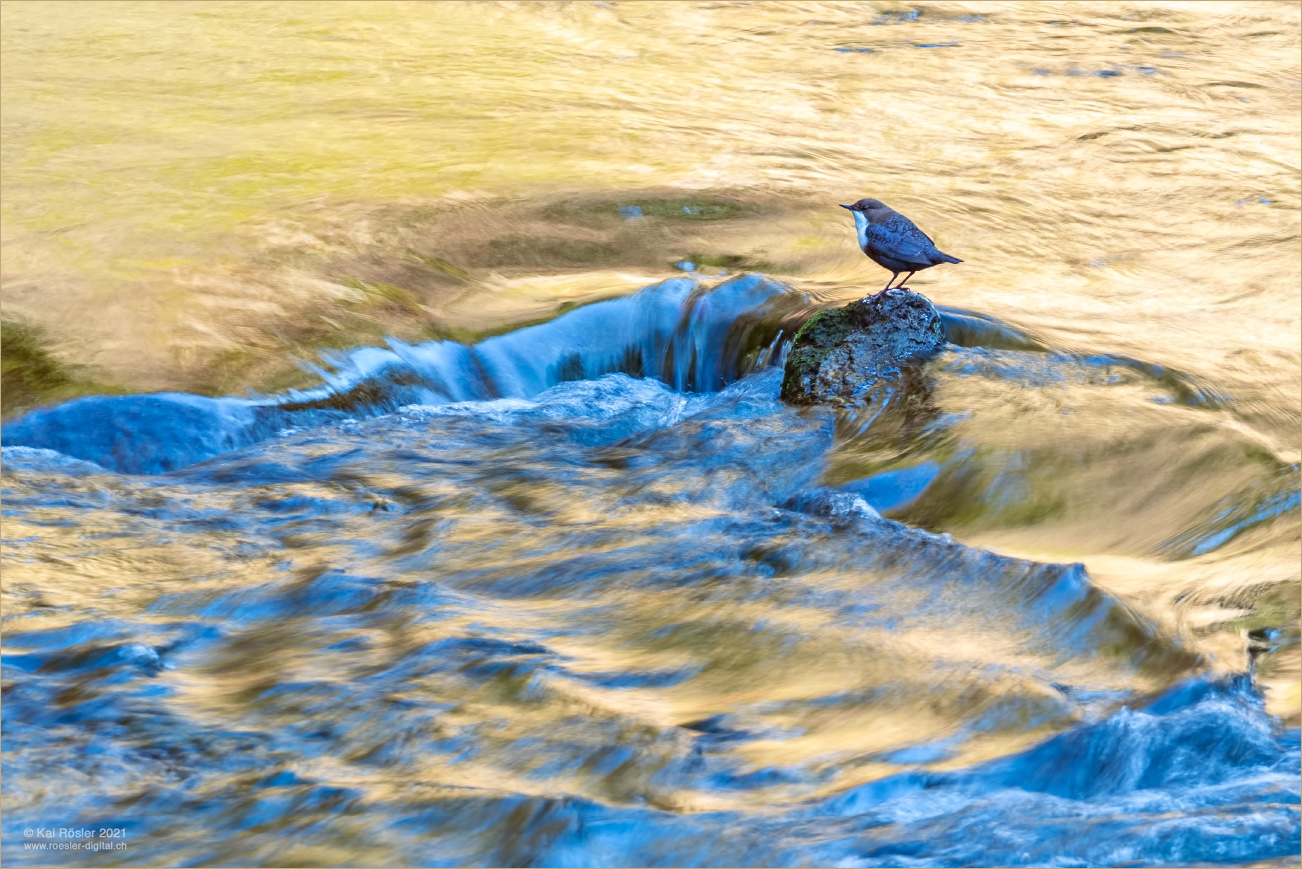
x,y
840,355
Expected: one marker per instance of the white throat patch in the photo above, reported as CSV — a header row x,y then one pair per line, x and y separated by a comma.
x,y
861,228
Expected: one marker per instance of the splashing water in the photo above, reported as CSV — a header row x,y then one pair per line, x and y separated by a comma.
x,y
587,593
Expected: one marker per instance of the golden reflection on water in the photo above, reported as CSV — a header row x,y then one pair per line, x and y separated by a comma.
x,y
267,679
196,194
183,182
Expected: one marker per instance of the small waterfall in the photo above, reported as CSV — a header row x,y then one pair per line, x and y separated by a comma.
x,y
694,338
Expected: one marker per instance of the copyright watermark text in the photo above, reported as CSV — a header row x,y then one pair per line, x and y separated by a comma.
x,y
74,839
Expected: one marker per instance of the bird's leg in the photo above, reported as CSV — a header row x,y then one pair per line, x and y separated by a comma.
x,y
901,284
898,286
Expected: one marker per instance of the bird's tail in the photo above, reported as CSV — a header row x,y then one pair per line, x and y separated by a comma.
x,y
946,258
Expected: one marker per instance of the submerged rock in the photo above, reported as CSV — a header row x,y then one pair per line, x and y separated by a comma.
x,y
840,355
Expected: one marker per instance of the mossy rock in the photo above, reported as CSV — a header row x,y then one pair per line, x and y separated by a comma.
x,y
840,354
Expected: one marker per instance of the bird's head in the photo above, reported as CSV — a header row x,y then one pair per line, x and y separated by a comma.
x,y
868,207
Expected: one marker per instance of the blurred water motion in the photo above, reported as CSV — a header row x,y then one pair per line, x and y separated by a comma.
x,y
550,577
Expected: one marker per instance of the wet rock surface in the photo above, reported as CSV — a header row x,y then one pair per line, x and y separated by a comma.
x,y
841,355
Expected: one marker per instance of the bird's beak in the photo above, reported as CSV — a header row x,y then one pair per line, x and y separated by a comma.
x,y
851,207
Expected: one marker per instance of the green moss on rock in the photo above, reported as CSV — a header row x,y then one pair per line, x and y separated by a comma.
x,y
839,354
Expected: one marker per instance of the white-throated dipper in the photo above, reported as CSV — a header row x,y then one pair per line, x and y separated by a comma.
x,y
893,241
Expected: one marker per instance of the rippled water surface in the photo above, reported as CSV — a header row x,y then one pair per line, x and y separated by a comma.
x,y
513,557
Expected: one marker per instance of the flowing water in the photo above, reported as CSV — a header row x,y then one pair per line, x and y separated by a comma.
x,y
560,581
